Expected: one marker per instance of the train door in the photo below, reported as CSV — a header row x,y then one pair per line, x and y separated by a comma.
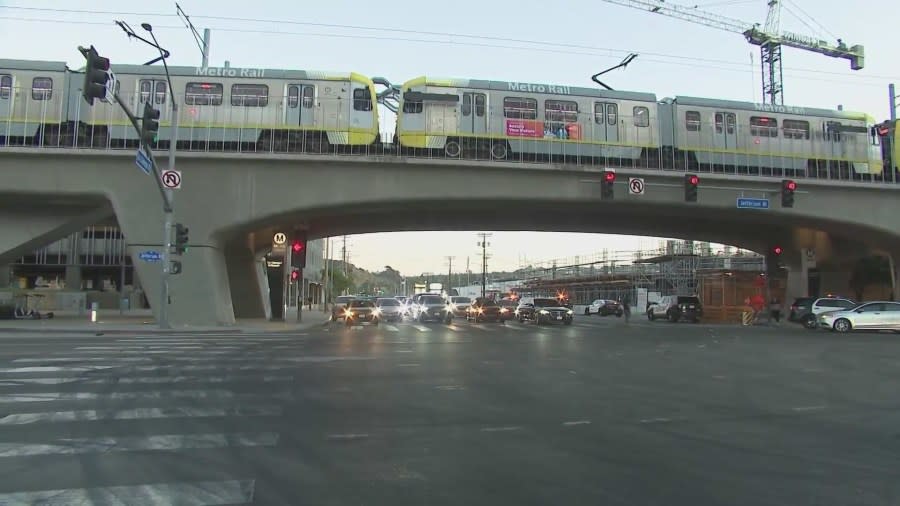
x,y
300,103
835,141
725,135
156,92
474,114
6,97
606,122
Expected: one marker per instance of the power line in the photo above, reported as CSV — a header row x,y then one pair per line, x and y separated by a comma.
x,y
543,45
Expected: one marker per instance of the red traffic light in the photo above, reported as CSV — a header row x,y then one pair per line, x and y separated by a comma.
x,y
295,275
694,180
609,176
790,185
777,250
297,247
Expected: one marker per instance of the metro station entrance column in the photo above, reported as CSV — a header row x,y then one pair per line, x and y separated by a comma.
x,y
798,263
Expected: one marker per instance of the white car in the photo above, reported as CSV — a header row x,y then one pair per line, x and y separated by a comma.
x,y
880,315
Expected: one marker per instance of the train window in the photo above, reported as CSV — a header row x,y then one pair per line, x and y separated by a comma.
x,y
41,88
413,106
293,97
761,126
564,111
308,97
833,131
467,104
795,129
159,97
249,95
5,86
519,108
641,116
362,99
146,88
692,121
203,93
479,104
612,114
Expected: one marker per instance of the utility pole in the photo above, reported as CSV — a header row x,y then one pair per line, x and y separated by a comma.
x,y
468,273
892,96
344,255
484,244
449,274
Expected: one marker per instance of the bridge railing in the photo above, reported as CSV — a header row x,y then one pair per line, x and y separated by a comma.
x,y
489,134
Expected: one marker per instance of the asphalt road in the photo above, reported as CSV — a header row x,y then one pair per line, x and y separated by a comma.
x,y
595,414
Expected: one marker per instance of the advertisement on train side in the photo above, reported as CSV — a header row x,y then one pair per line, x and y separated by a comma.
x,y
537,129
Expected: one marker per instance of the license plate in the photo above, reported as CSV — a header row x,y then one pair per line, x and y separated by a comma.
x,y
559,317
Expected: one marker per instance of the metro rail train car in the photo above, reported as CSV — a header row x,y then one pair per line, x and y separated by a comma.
x,y
34,100
220,108
234,109
742,137
463,117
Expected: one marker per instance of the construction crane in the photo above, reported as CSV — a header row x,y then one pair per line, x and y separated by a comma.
x,y
769,39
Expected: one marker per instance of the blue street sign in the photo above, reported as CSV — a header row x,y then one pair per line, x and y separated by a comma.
x,y
748,203
150,256
143,161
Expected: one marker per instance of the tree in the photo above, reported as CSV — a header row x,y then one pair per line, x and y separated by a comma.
x,y
868,271
339,282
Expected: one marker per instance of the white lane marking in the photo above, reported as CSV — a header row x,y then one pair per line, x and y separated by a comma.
x,y
347,436
577,422
719,377
455,328
655,420
151,347
27,370
450,387
90,415
809,408
144,380
204,493
112,396
421,328
407,365
247,357
501,429
163,442
391,328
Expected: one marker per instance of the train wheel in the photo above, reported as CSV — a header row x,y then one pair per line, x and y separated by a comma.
x,y
452,149
499,151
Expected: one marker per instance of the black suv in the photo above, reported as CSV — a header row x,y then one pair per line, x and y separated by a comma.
x,y
543,310
680,307
434,308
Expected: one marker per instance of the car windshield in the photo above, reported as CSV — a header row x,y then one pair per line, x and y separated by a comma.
x,y
460,300
388,302
362,303
546,302
343,299
485,302
432,300
688,300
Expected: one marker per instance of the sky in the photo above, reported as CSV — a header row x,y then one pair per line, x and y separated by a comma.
x,y
562,43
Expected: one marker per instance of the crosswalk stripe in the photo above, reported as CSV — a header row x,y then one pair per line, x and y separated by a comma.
x,y
143,380
90,415
118,396
165,442
421,328
246,357
391,328
184,494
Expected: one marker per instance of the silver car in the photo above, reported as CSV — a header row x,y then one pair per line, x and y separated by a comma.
x,y
391,309
878,315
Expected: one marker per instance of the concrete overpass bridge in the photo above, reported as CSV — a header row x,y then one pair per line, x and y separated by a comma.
x,y
234,202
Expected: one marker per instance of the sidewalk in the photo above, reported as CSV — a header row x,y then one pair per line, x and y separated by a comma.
x,y
142,321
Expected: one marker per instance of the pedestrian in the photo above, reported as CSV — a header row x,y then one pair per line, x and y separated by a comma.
x,y
626,310
775,309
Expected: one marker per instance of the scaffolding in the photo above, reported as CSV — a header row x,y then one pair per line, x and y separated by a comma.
x,y
674,268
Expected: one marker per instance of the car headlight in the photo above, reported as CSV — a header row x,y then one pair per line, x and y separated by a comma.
x,y
376,312
348,313
504,310
480,310
544,311
570,312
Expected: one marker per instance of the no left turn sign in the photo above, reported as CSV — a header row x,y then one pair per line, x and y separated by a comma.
x,y
171,179
636,186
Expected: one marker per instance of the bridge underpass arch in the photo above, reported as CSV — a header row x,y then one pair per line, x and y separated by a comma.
x,y
228,202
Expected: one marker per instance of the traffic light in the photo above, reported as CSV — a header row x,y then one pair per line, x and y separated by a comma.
x,y
298,250
181,239
175,267
788,187
691,184
606,190
149,124
96,74
777,250
295,275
